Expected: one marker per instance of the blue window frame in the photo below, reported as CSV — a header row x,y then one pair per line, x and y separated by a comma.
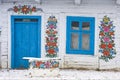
x,y
80,35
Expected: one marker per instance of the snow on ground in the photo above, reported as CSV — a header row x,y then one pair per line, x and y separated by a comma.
x,y
64,74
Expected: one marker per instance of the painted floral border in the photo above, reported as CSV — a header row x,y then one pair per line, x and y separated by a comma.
x,y
44,64
25,9
107,36
51,45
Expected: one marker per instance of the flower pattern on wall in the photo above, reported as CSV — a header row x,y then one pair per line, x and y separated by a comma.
x,y
51,45
44,64
25,9
106,35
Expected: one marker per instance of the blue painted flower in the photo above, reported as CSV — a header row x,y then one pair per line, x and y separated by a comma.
x,y
56,49
111,29
101,22
19,6
47,26
101,50
29,6
33,63
42,66
46,47
111,22
101,29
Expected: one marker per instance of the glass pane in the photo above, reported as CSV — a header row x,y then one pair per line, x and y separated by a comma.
x,y
74,40
86,26
75,25
85,41
26,20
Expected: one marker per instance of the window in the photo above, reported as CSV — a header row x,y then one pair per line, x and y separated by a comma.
x,y
80,35
26,20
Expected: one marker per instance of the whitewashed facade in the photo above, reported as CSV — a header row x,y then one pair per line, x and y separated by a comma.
x,y
61,9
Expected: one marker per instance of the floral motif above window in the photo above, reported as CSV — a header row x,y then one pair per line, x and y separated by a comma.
x,y
51,46
25,9
106,35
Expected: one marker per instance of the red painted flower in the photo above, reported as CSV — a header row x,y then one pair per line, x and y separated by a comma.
x,y
106,53
54,44
48,32
47,39
103,45
111,33
110,45
51,51
15,9
55,32
101,34
38,63
34,9
25,9
49,43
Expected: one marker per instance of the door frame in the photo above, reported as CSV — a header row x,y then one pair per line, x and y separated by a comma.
x,y
12,35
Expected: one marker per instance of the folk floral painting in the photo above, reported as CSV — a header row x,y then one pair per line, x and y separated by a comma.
x,y
25,9
44,64
51,45
106,35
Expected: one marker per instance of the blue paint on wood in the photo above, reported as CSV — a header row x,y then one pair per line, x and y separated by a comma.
x,y
69,31
25,37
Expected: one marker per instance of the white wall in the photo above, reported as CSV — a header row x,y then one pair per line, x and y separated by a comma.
x,y
68,61
108,2
0,47
4,37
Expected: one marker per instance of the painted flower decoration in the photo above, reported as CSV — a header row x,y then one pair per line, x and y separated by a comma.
x,y
111,33
106,36
51,38
106,53
25,9
103,45
32,64
106,19
51,46
15,9
101,33
47,64
106,29
51,51
106,39
51,26
110,45
38,63
44,64
33,9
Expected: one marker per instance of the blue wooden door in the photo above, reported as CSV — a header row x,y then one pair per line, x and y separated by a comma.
x,y
25,40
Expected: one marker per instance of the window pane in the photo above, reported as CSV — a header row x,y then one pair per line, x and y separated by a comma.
x,y
75,25
26,20
85,41
74,40
86,26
